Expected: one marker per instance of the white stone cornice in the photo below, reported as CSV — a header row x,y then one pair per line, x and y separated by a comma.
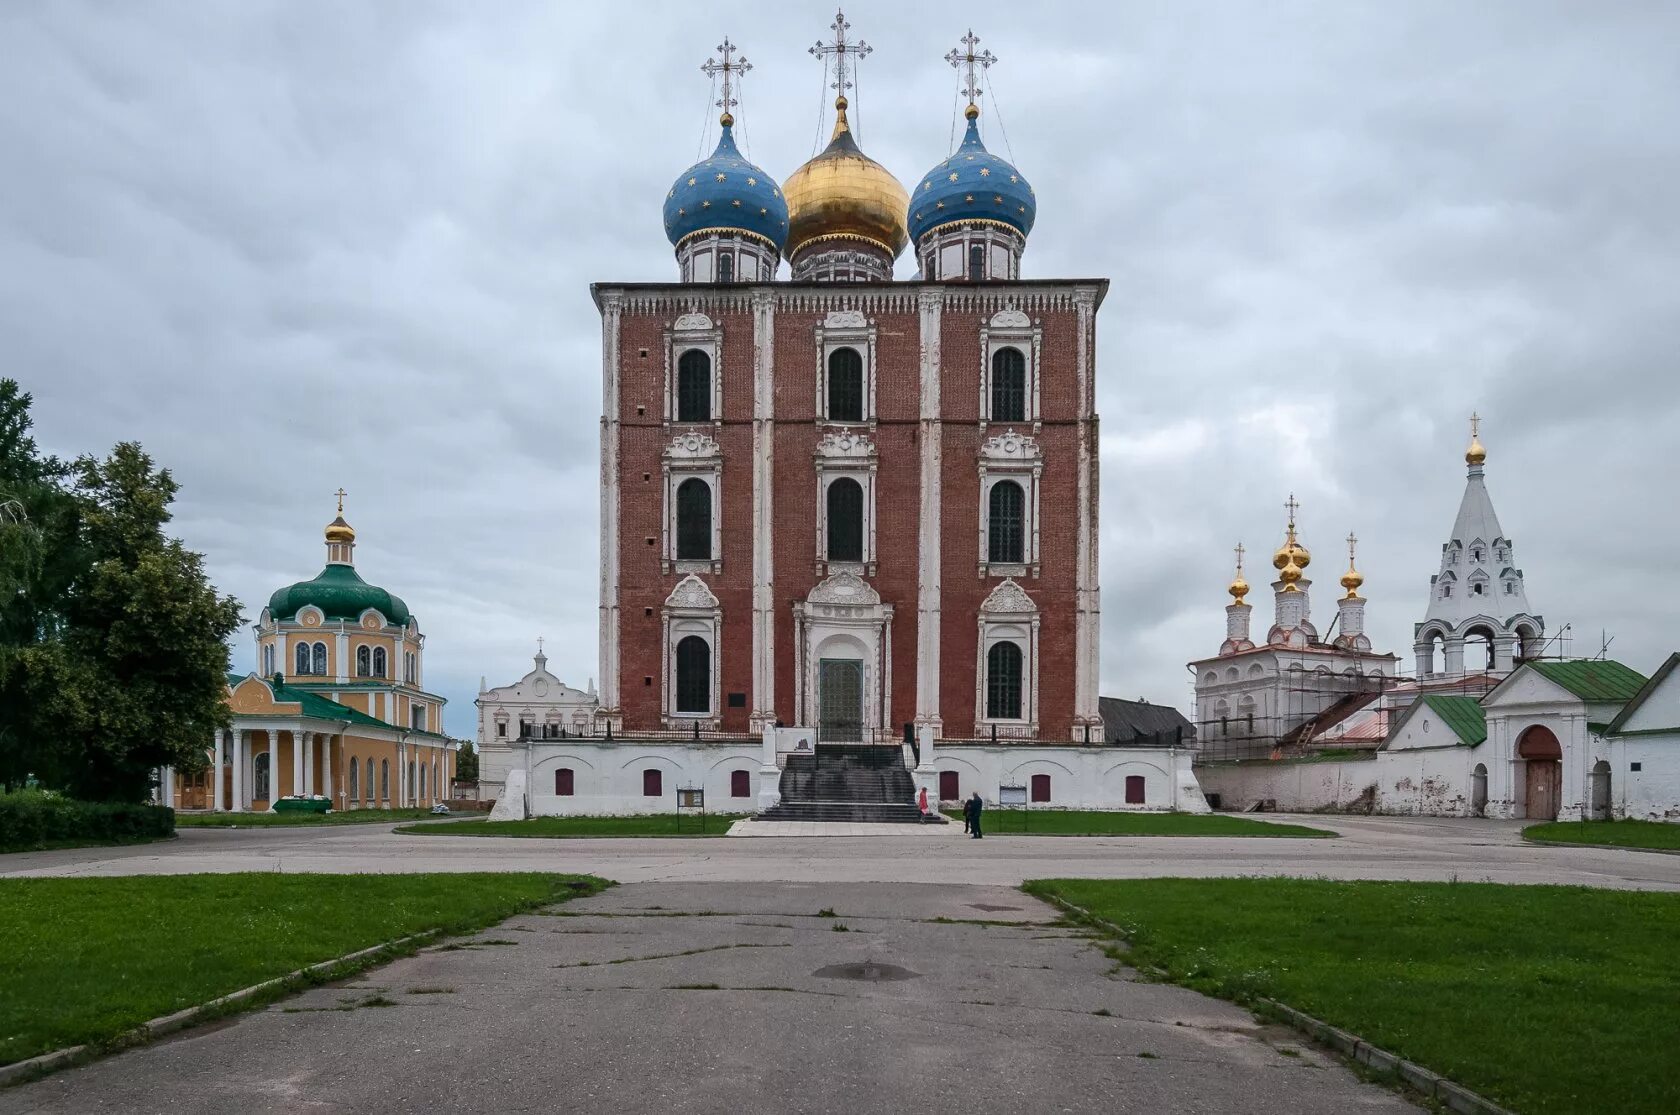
x,y
1011,447
1009,599
693,447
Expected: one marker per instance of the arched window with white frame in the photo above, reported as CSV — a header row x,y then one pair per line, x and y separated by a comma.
x,y
1003,681
319,660
694,520
1006,524
1009,385
364,662
845,520
694,675
379,664
694,386
301,659
845,385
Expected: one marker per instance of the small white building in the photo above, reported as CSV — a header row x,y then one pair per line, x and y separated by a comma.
x,y
537,706
1644,758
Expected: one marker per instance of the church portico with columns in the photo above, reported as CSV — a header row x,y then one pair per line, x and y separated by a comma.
x,y
337,712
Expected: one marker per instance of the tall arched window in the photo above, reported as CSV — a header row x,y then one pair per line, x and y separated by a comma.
x,y
378,662
694,387
302,659
353,789
259,777
1009,385
694,520
364,661
411,797
268,661
845,520
384,780
1005,525
422,782
694,675
1003,682
320,659
726,268
976,262
845,386
368,782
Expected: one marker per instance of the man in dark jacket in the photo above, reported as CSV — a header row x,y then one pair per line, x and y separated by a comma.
x,y
971,810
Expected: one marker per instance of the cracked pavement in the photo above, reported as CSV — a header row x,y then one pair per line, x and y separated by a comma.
x,y
731,996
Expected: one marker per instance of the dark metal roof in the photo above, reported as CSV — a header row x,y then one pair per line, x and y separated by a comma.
x,y
1125,721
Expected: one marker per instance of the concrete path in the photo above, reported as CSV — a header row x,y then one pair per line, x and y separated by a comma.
x,y
1415,848
633,1001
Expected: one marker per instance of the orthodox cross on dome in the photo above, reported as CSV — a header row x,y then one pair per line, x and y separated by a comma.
x,y
973,65
1291,506
841,49
1352,541
341,493
732,69
539,644
1475,425
1240,553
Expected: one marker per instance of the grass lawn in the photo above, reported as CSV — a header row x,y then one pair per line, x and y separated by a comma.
x,y
1542,998
87,959
256,820
657,824
1622,834
1078,822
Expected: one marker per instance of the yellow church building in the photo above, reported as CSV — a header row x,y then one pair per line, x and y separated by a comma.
x,y
338,709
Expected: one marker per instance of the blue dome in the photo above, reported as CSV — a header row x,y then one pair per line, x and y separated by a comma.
x,y
973,184
726,192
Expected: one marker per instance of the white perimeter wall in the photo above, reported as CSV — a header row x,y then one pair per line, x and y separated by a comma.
x,y
1080,777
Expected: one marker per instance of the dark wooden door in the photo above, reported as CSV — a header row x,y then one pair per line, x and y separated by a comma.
x,y
1545,780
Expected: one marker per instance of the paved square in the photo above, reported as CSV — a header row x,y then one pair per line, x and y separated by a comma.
x,y
730,997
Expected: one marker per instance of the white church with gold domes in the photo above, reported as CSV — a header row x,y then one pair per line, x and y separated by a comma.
x,y
338,713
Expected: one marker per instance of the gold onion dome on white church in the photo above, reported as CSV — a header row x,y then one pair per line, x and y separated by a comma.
x,y
843,194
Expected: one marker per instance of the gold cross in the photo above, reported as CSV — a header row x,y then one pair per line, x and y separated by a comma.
x,y
1351,541
1475,424
1240,553
1292,507
341,493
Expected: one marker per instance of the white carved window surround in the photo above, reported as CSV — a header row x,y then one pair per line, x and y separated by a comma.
x,y
1016,457
1011,329
1008,616
846,453
694,332
691,455
846,329
690,610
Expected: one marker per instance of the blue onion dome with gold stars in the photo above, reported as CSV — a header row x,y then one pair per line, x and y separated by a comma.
x,y
972,185
726,193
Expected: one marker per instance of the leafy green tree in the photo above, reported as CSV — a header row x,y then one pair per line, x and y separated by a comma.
x,y
148,627
113,653
466,762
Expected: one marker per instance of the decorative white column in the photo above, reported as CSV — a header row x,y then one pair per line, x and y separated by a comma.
x,y
611,311
241,750
930,302
926,776
769,774
1087,572
297,760
273,765
216,801
166,786
309,741
764,521
326,769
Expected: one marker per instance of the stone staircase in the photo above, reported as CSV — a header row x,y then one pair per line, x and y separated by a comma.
x,y
848,782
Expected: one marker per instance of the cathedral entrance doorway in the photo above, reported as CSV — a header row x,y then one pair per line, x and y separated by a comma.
x,y
839,701
1543,772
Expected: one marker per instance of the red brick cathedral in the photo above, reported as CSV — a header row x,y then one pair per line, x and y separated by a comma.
x,y
840,501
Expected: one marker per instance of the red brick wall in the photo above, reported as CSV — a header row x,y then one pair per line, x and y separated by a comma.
x,y
643,437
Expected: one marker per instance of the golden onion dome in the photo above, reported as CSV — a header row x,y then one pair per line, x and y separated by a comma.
x,y
1292,553
1351,580
340,531
1238,589
1476,454
843,194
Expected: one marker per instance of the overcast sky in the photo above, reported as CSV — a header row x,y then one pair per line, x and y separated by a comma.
x,y
301,244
